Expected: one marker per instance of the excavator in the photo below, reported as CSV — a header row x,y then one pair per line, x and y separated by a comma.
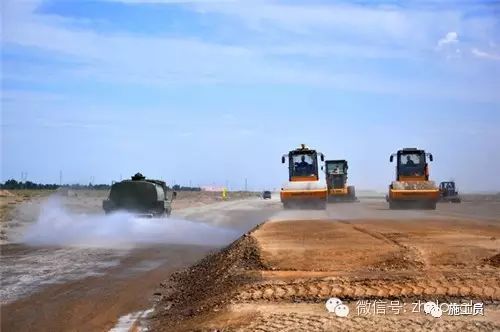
x,y
336,181
304,188
412,188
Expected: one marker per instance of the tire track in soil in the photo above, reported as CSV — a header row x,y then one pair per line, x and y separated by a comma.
x,y
413,255
263,287
319,290
293,322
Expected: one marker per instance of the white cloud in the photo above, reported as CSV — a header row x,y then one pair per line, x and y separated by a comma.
x,y
450,38
448,45
131,58
485,55
320,34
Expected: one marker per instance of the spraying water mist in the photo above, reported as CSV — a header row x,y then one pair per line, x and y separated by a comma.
x,y
58,226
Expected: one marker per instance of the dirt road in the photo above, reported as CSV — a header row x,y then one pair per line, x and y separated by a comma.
x,y
60,286
276,277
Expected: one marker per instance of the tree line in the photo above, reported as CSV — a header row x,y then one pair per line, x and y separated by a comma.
x,y
182,188
14,184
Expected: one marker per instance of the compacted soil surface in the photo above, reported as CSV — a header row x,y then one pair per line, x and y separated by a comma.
x,y
383,265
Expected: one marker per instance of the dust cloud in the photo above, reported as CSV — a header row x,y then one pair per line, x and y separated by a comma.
x,y
56,226
288,215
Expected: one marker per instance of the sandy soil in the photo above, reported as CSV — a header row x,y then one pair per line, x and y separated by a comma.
x,y
68,288
278,276
95,303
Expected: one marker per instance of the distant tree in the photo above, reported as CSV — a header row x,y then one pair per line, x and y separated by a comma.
x,y
101,186
13,184
182,188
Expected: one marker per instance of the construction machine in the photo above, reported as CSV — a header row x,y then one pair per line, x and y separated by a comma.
x,y
304,188
336,181
449,192
141,197
412,187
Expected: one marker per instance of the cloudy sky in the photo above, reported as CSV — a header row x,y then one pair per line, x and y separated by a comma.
x,y
213,92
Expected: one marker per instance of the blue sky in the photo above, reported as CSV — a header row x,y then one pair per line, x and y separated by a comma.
x,y
213,92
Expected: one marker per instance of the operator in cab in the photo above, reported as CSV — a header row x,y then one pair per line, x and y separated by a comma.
x,y
303,167
409,162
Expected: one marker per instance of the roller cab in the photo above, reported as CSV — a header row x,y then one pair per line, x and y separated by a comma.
x,y
412,187
336,181
304,189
